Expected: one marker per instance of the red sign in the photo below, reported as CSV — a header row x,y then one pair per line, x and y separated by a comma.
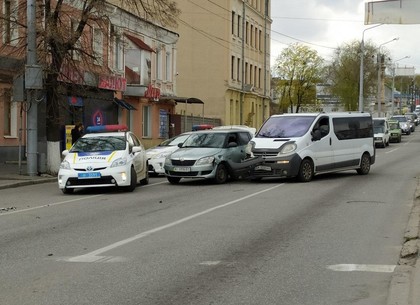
x,y
70,75
112,82
152,93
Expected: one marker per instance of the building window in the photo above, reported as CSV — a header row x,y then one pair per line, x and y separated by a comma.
x,y
259,78
97,46
239,26
251,34
168,67
75,53
238,69
251,73
147,122
246,73
118,54
247,32
9,115
10,17
158,64
260,40
233,23
255,76
232,68
256,38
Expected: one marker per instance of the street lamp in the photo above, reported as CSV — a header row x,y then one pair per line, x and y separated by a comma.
x,y
393,82
361,76
379,91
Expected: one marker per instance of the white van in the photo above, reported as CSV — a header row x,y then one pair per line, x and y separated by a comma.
x,y
381,132
302,145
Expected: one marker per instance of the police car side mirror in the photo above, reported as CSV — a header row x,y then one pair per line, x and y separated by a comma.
x,y
180,145
136,149
65,152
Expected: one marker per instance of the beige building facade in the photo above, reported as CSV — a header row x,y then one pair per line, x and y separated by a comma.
x,y
224,59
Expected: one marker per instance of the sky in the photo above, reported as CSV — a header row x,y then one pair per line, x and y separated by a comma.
x,y
324,25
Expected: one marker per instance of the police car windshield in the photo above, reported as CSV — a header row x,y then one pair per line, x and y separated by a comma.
x,y
89,144
285,127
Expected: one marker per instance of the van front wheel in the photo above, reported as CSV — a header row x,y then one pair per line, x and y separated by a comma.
x,y
306,171
364,165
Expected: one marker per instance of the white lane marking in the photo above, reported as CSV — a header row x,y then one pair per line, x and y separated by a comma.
x,y
391,151
210,263
96,255
368,268
65,201
50,204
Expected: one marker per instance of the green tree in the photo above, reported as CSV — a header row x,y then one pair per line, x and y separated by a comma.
x,y
300,69
63,30
344,74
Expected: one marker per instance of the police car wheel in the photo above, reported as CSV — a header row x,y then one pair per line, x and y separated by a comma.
x,y
146,179
133,180
67,191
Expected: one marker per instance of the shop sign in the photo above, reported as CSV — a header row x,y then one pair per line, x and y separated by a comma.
x,y
152,93
70,75
112,82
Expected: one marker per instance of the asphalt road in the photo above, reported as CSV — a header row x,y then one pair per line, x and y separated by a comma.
x,y
334,240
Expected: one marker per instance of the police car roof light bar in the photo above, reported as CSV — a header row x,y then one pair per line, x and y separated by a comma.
x,y
106,128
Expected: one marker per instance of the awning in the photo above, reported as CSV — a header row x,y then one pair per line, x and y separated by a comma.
x,y
124,104
140,43
187,100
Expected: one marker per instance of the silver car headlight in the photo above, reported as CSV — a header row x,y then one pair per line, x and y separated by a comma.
x,y
205,160
161,155
119,162
65,165
288,148
168,161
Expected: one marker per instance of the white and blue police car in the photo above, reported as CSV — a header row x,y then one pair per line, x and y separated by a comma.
x,y
106,156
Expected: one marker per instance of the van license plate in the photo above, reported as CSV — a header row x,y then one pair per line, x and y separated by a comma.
x,y
89,175
263,168
182,169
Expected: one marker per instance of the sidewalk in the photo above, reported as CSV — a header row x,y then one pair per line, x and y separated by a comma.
x,y
405,283
11,175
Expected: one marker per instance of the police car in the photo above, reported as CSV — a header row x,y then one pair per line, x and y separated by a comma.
x,y
106,156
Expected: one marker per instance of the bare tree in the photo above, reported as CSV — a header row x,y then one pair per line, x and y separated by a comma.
x,y
64,36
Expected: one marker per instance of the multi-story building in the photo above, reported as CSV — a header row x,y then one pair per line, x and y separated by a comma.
x,y
224,59
130,72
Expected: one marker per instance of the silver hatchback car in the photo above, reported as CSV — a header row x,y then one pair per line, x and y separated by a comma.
x,y
209,154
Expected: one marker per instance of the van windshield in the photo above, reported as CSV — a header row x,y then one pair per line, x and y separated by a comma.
x,y
285,127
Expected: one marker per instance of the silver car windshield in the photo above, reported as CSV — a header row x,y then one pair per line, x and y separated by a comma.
x,y
285,127
90,144
213,140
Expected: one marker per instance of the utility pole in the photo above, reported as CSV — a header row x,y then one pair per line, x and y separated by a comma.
x,y
33,81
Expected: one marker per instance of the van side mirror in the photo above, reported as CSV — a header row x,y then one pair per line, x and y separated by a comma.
x,y
316,135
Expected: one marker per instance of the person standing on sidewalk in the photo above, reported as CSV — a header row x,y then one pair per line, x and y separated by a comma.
x,y
76,132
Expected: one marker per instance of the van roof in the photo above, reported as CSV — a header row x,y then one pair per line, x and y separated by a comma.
x,y
332,114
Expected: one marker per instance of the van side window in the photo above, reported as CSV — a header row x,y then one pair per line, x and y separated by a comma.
x,y
353,128
323,126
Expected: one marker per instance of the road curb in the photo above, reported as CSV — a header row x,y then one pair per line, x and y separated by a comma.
x,y
27,182
406,276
